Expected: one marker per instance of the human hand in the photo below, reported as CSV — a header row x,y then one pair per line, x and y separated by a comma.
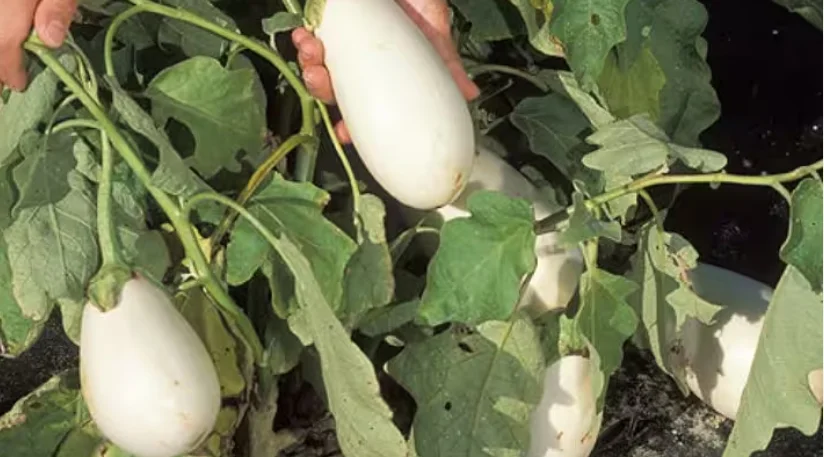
x,y
51,19
431,16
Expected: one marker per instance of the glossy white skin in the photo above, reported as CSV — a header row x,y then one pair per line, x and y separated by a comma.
x,y
557,271
565,422
407,118
718,357
147,378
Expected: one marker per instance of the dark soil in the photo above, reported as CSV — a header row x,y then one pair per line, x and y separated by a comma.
x,y
767,70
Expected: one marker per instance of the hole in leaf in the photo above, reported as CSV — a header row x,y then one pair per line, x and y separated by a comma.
x,y
595,19
465,347
448,406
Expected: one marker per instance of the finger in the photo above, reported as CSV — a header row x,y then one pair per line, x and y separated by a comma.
x,y
52,20
310,52
342,133
319,83
468,88
15,23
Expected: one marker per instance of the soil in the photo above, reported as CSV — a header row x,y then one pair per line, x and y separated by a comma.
x,y
767,71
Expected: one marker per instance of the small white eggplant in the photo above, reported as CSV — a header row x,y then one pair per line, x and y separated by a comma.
x,y
717,358
565,423
557,271
146,376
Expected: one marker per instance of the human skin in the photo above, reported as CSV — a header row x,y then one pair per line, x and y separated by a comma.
x,y
51,20
431,16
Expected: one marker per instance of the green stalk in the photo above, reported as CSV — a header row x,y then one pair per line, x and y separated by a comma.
x,y
353,183
105,224
240,323
477,70
548,223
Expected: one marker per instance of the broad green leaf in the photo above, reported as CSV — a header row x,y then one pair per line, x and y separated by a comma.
x,y
219,106
634,87
777,393
368,279
24,110
363,420
622,207
584,226
384,320
588,30
808,9
491,20
477,270
205,319
475,390
538,26
42,177
553,124
635,146
281,22
672,30
17,332
172,175
802,248
38,423
194,40
52,250
665,298
605,318
282,347
294,209
564,82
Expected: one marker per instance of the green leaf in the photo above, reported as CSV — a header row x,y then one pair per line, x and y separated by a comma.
x,y
564,82
666,298
802,247
384,320
588,30
220,107
368,279
282,346
17,332
605,318
538,26
475,390
194,40
635,146
52,250
808,9
477,270
42,177
777,393
281,22
205,319
294,209
553,125
491,20
364,425
584,226
635,87
38,423
313,11
172,175
672,30
25,110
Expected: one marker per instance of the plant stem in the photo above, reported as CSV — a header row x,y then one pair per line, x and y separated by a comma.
x,y
353,183
256,180
105,225
548,223
108,41
293,7
493,68
74,123
240,322
653,209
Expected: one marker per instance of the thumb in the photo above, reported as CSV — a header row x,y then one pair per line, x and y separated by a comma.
x,y
52,20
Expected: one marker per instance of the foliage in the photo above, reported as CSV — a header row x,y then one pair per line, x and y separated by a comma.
x,y
209,192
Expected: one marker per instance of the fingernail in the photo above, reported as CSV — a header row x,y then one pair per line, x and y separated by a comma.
x,y
55,32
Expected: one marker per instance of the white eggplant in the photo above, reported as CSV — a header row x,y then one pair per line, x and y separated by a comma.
x,y
565,423
557,271
148,380
407,118
717,358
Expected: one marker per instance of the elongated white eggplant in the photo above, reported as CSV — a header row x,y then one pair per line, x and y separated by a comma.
x,y
717,358
565,423
407,118
148,380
